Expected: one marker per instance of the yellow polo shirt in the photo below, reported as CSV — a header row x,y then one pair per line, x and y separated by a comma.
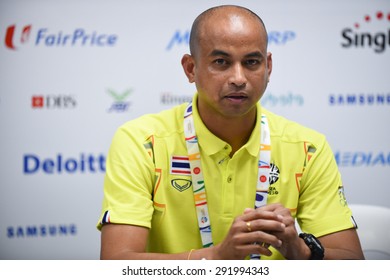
x,y
148,182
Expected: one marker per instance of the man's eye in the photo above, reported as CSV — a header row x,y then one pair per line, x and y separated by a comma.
x,y
252,62
220,61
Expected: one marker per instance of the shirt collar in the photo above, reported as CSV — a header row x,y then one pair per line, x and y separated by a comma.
x,y
211,144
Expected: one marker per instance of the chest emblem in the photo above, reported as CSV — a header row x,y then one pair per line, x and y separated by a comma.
x,y
273,174
181,184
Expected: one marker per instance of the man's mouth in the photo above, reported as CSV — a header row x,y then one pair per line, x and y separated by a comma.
x,y
236,96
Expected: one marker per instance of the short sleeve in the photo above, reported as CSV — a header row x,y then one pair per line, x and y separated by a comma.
x,y
129,180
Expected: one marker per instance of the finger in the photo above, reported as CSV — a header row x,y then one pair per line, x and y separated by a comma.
x,y
261,238
272,207
248,210
255,249
262,225
257,214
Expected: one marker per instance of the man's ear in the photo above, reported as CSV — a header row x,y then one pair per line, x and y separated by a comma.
x,y
269,65
188,64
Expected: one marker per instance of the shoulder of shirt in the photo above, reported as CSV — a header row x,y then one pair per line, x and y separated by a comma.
x,y
161,124
291,131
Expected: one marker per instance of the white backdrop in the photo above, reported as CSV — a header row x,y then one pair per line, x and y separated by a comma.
x,y
72,71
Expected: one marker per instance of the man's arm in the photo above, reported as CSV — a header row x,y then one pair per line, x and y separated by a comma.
x,y
342,245
119,241
125,242
129,242
268,227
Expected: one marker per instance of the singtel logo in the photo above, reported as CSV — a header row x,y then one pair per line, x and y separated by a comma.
x,y
364,35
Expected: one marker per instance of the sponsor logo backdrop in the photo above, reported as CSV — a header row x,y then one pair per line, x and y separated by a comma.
x,y
73,71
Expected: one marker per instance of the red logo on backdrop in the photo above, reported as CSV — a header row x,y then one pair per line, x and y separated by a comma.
x,y
53,101
37,102
371,31
10,36
378,16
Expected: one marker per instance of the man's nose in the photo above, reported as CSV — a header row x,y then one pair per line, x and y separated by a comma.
x,y
237,77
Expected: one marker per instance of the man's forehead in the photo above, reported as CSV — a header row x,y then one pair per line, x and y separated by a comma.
x,y
235,22
232,15
232,29
228,24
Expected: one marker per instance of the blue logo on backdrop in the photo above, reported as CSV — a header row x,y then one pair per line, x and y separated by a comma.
x,y
283,100
34,231
59,164
359,99
274,38
362,159
120,104
79,37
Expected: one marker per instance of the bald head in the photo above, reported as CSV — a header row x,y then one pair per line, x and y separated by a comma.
x,y
217,13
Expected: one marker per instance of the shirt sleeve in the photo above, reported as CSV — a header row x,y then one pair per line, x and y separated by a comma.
x,y
129,180
322,207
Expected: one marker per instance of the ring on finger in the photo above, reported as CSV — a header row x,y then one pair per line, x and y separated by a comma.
x,y
248,226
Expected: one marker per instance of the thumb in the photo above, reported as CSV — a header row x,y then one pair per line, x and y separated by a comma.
x,y
248,210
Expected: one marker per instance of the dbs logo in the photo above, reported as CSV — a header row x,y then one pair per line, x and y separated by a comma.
x,y
10,36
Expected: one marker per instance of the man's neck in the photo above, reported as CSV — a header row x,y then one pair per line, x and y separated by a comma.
x,y
235,131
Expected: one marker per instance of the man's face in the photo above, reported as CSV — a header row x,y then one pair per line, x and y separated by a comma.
x,y
231,66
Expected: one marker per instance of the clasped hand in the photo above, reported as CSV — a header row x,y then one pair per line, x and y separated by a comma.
x,y
257,229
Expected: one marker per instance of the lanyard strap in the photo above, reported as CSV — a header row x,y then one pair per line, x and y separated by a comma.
x,y
198,179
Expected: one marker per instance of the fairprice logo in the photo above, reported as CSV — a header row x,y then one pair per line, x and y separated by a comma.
x,y
53,102
10,34
44,37
372,31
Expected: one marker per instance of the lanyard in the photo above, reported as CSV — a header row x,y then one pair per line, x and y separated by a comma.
x,y
198,179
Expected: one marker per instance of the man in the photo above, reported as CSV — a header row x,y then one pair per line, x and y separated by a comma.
x,y
223,178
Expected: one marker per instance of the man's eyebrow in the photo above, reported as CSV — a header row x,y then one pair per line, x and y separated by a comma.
x,y
255,54
223,53
219,53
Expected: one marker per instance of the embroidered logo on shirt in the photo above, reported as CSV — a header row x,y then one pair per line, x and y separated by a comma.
x,y
181,184
180,165
273,174
343,200
273,178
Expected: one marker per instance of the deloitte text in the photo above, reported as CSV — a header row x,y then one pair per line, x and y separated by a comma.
x,y
33,164
49,38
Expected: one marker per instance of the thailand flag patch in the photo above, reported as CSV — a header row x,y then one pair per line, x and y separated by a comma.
x,y
180,165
